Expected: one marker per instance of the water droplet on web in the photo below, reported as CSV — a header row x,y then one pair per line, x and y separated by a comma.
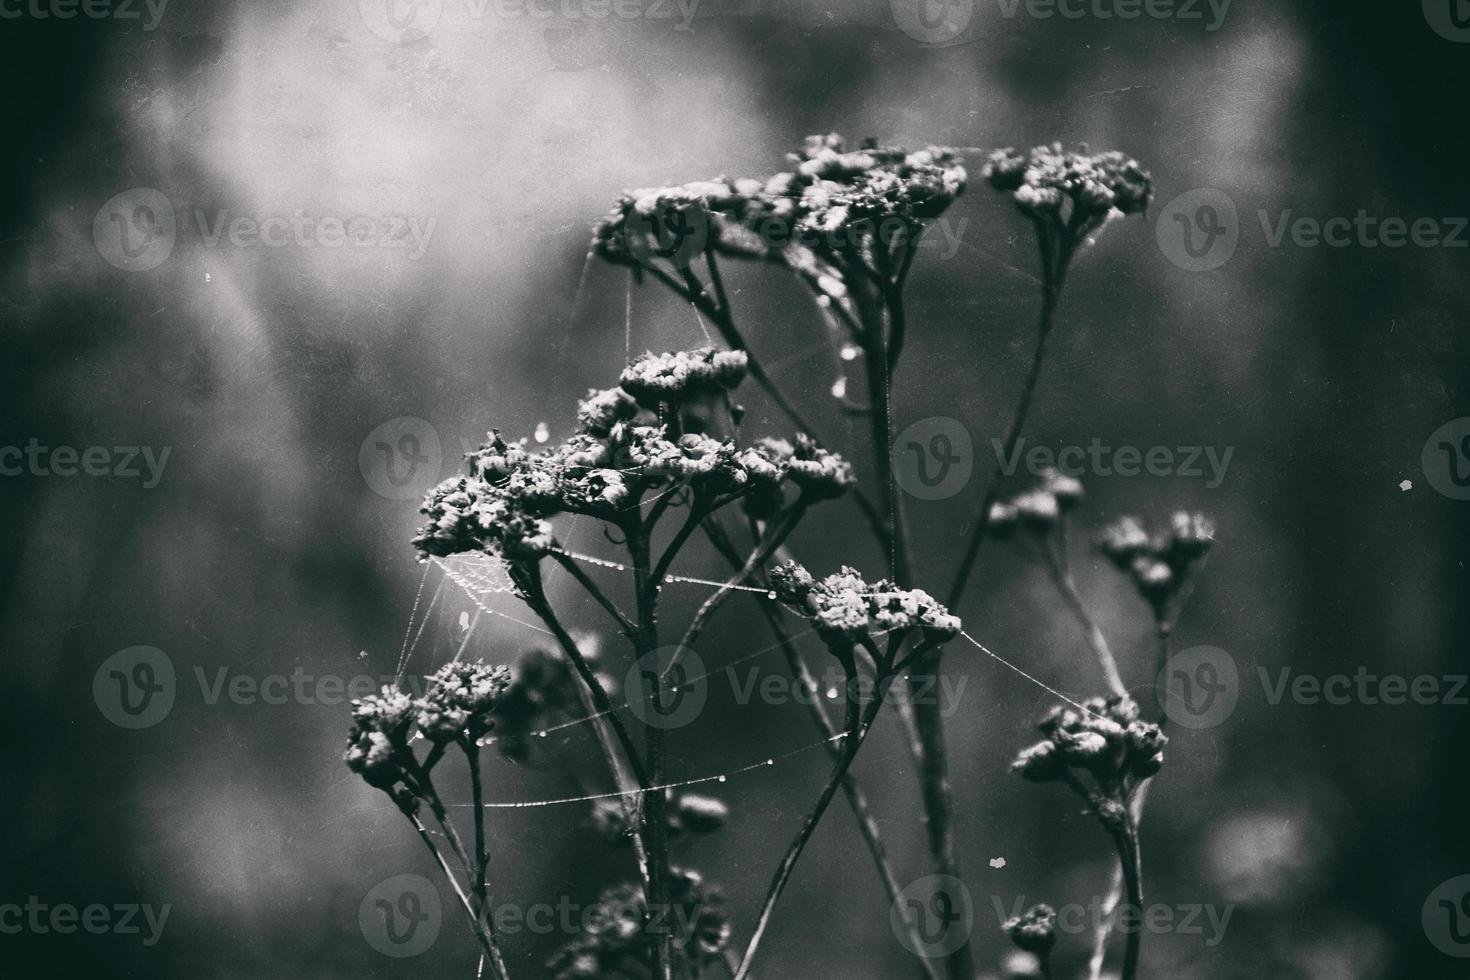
x,y
839,388
722,779
850,352
542,433
831,693
770,595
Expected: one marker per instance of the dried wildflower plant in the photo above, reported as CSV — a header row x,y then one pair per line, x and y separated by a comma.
x,y
660,459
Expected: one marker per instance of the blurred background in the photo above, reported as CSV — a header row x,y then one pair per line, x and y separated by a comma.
x,y
273,538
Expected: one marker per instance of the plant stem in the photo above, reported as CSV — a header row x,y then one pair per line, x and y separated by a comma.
x,y
1095,639
1131,860
482,858
923,717
1051,292
773,538
858,722
856,800
487,941
655,802
566,561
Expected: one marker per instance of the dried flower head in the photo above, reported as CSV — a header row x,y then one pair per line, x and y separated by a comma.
x,y
1073,188
1160,566
1035,930
613,941
460,698
844,608
672,378
1105,738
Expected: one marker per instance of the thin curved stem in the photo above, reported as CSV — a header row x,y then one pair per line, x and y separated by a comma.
x,y
856,800
487,942
858,724
570,564
1051,293
1062,578
774,537
482,859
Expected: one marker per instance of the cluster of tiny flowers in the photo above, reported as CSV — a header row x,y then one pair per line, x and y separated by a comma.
x,y
543,691
844,608
1076,188
661,379
687,813
613,942
1159,564
1038,509
1105,739
461,698
377,746
831,195
503,507
865,187
458,706
1034,931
